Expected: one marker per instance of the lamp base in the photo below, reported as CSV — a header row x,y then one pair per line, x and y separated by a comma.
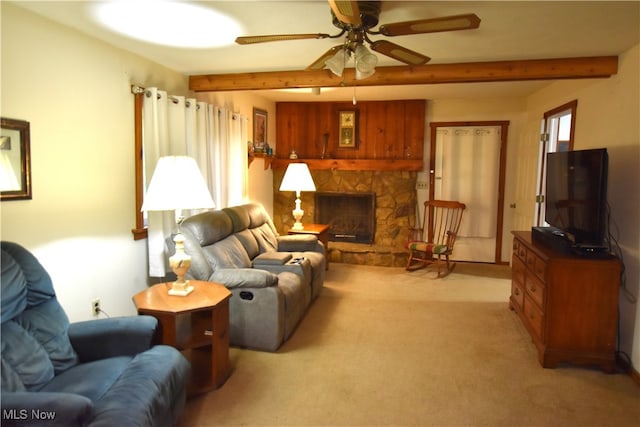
x,y
297,226
180,263
180,289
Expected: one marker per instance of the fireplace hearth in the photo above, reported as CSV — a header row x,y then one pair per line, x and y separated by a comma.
x,y
351,216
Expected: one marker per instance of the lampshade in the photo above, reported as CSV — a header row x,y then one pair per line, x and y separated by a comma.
x,y
365,60
337,62
297,178
177,184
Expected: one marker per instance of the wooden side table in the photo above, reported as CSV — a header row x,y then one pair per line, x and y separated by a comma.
x,y
197,325
319,230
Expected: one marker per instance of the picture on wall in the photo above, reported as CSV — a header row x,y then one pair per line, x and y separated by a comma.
x,y
259,130
15,162
347,131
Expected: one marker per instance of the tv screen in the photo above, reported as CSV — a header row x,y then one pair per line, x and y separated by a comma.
x,y
576,196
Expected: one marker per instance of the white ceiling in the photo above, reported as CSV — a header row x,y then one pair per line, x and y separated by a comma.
x,y
510,30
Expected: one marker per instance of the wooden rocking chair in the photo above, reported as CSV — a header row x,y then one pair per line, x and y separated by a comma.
x,y
433,243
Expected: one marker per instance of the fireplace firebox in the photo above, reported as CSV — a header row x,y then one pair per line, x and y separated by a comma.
x,y
351,216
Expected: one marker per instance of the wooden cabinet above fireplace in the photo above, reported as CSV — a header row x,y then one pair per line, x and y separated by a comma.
x,y
389,135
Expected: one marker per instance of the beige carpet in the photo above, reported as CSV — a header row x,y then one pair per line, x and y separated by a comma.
x,y
383,347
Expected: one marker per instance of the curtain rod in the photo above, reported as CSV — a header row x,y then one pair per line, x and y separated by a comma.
x,y
139,90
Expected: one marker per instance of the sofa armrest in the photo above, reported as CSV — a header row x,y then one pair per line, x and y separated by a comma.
x,y
115,336
44,408
244,278
300,266
272,258
299,243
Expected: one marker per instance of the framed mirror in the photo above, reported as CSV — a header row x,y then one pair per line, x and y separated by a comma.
x,y
15,160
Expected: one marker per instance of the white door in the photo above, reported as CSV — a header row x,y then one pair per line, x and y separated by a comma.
x,y
467,169
524,204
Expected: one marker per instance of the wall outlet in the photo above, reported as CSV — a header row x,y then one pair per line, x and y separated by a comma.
x,y
421,185
95,307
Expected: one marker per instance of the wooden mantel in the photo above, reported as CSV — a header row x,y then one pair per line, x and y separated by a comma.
x,y
471,72
353,164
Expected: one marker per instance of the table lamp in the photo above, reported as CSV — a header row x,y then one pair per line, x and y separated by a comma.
x,y
297,178
177,184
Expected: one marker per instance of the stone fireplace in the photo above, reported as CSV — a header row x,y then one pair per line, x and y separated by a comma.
x,y
392,200
351,216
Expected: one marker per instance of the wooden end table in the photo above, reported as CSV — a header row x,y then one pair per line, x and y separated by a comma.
x,y
321,231
197,325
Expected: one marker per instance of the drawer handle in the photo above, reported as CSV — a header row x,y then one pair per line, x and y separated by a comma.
x,y
532,288
516,292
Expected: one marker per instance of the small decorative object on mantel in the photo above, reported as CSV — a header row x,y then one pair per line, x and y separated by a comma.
x,y
347,129
293,155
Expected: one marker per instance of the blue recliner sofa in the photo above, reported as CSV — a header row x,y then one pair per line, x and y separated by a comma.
x,y
103,372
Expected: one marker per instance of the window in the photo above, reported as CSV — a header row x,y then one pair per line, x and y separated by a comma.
x,y
558,128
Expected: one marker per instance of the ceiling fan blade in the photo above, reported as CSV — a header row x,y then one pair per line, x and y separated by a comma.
x,y
278,37
318,64
400,53
346,11
434,25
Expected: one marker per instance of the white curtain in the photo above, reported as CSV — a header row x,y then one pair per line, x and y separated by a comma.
x,y
467,168
173,125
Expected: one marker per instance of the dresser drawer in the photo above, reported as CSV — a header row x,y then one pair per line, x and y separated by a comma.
x,y
519,250
536,264
518,271
517,296
535,289
534,316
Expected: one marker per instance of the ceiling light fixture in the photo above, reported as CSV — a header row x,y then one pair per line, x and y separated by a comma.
x,y
169,23
365,61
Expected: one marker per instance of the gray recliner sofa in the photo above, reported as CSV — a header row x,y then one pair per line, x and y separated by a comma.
x,y
273,279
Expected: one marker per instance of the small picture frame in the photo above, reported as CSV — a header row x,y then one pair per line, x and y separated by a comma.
x,y
259,130
347,129
15,160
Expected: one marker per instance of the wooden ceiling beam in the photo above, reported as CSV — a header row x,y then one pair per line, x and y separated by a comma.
x,y
471,72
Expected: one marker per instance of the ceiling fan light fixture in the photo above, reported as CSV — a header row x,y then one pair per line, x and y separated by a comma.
x,y
365,61
337,62
361,75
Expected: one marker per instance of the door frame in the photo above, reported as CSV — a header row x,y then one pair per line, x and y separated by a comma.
x,y
504,129
571,106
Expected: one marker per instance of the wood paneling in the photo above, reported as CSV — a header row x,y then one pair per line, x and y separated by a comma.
x,y
388,131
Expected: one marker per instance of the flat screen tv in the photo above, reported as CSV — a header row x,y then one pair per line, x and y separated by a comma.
x,y
576,196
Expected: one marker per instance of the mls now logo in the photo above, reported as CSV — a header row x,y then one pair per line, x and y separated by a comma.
x,y
25,414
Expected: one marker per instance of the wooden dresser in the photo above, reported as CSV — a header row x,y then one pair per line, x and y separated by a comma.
x,y
569,304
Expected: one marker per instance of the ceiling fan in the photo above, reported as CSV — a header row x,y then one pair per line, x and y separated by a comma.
x,y
356,20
